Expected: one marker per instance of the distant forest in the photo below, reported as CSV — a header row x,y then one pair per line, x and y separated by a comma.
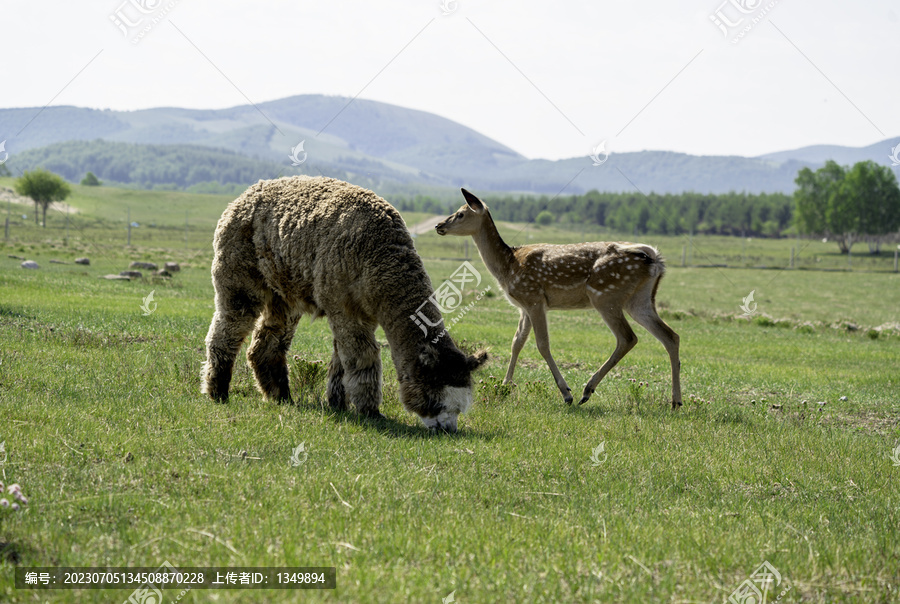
x,y
762,215
191,168
205,170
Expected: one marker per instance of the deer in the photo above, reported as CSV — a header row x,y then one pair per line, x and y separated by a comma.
x,y
614,278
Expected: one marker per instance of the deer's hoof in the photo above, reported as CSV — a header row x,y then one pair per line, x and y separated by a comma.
x,y
567,396
585,396
676,405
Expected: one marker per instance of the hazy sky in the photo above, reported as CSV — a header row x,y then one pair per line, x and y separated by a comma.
x,y
550,80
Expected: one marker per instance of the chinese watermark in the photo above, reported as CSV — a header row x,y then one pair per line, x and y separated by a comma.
x,y
135,18
749,306
4,154
295,157
147,302
895,455
448,7
599,154
447,299
755,590
149,593
597,452
894,156
299,455
735,18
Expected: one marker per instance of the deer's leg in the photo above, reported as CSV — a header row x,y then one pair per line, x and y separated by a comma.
x,y
538,318
518,342
643,310
267,354
625,341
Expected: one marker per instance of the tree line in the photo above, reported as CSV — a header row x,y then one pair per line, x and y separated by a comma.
x,y
744,214
847,204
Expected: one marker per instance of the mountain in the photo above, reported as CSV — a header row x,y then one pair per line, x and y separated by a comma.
x,y
369,142
818,154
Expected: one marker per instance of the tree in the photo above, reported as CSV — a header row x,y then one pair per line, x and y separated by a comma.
x,y
814,189
90,180
848,203
44,188
872,191
4,171
544,218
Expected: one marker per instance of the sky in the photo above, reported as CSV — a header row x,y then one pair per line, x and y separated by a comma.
x,y
549,80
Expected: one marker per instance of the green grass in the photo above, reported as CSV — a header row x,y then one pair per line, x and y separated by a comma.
x,y
126,464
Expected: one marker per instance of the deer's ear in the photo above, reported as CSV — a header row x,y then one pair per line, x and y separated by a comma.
x,y
473,202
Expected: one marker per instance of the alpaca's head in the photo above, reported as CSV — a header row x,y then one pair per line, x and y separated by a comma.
x,y
438,387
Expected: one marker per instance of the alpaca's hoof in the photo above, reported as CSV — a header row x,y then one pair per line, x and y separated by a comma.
x,y
371,414
284,400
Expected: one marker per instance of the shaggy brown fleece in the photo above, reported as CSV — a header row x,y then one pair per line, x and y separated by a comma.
x,y
324,247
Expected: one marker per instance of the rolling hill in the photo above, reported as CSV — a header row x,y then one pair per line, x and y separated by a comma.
x,y
375,144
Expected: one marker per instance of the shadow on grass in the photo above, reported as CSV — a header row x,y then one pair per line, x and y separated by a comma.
x,y
393,428
9,552
624,407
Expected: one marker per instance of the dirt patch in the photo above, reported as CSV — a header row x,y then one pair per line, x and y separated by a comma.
x,y
7,194
426,226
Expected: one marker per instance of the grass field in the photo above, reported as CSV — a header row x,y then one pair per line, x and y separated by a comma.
x,y
126,464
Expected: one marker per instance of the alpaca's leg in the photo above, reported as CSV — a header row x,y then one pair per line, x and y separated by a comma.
x,y
267,354
360,359
235,315
334,392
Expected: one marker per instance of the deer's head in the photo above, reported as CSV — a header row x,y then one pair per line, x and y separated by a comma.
x,y
465,221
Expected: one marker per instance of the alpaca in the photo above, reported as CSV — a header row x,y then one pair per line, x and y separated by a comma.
x,y
611,277
327,248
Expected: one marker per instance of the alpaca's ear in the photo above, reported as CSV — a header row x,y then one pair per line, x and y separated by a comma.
x,y
473,202
429,356
475,361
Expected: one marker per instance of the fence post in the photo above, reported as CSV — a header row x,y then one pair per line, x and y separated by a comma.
x,y
129,227
683,254
185,230
792,257
467,248
895,257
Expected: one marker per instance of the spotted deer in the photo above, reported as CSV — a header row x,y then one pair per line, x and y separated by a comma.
x,y
612,277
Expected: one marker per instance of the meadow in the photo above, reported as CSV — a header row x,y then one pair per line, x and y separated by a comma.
x,y
782,452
